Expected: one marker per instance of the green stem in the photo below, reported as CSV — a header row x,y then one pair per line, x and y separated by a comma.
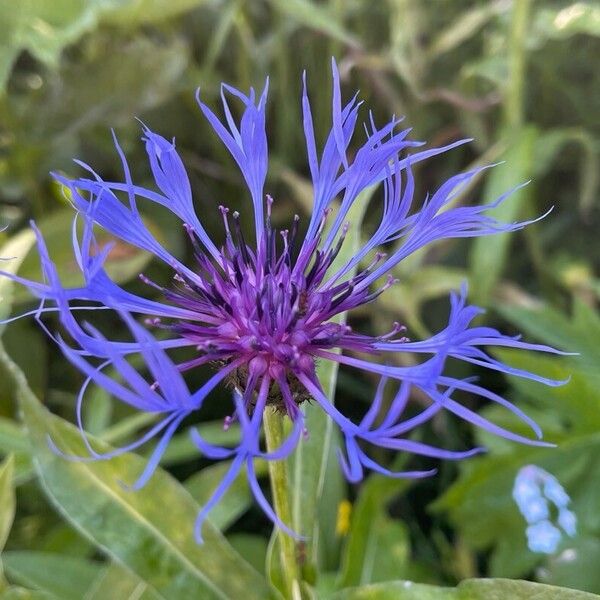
x,y
513,106
278,475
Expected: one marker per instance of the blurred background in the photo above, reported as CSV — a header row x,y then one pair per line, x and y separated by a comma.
x,y
519,77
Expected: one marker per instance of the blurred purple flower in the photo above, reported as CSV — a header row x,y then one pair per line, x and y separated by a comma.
x,y
262,314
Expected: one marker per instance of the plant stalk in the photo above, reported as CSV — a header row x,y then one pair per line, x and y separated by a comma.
x,y
280,488
513,105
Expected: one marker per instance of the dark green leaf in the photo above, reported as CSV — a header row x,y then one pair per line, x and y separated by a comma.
x,y
64,577
252,547
489,253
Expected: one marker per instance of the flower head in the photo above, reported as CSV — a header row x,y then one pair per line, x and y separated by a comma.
x,y
261,312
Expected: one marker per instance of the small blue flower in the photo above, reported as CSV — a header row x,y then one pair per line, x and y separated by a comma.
x,y
533,489
568,521
543,537
262,313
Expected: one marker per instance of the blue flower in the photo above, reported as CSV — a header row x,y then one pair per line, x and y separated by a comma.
x,y
533,490
261,313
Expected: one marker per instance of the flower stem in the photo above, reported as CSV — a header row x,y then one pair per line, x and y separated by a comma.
x,y
278,475
513,105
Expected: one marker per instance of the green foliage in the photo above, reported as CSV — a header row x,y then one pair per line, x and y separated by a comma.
x,y
470,589
519,78
67,578
378,547
159,546
46,29
480,504
489,255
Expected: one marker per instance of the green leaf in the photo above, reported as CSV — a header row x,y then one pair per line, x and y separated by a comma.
x,y
548,150
252,547
140,12
562,23
314,16
26,343
501,589
12,437
463,29
470,589
46,28
7,499
13,440
117,582
47,127
15,592
133,527
7,508
576,566
489,254
378,546
64,577
16,249
577,403
578,334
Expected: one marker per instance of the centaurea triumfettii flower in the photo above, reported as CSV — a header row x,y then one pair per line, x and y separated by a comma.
x,y
262,312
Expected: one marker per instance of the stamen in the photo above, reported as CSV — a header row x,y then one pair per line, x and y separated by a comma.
x,y
295,224
389,283
240,237
224,212
324,218
151,283
199,253
339,243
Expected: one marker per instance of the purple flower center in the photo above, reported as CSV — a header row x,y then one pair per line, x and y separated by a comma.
x,y
269,306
